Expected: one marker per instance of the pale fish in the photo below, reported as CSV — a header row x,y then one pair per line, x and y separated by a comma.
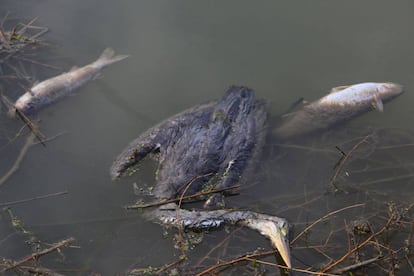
x,y
50,90
341,104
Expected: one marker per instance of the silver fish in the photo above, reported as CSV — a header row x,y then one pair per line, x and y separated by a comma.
x,y
341,104
50,90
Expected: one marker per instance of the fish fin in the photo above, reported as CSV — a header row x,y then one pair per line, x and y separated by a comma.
x,y
73,68
339,88
31,92
97,76
290,114
378,104
296,105
36,82
108,56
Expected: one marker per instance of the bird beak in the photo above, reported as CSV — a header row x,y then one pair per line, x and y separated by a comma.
x,y
277,230
280,241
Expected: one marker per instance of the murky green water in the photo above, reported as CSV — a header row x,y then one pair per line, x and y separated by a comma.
x,y
183,53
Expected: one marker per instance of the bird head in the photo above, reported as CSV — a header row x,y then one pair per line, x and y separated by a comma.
x,y
277,230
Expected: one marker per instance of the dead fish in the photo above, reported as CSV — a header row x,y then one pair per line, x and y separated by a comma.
x,y
50,90
341,104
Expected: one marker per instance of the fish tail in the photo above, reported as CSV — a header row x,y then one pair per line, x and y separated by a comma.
x,y
108,57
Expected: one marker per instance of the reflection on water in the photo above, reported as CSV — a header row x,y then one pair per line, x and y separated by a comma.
x,y
183,54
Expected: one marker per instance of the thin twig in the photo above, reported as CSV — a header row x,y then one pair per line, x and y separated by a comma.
x,y
234,261
40,271
396,146
32,199
26,26
293,269
38,63
168,266
155,204
253,258
357,265
178,208
323,218
343,160
217,246
15,167
51,138
37,255
344,257
33,128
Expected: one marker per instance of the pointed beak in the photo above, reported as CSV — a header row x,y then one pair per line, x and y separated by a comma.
x,y
274,228
277,230
280,240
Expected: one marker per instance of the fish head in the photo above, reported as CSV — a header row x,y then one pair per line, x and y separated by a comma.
x,y
388,90
26,103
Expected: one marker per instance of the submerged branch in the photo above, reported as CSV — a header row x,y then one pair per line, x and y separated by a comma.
x,y
181,198
254,258
359,246
32,199
343,159
34,256
33,128
357,265
16,165
325,217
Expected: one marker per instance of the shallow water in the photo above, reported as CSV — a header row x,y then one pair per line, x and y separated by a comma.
x,y
183,53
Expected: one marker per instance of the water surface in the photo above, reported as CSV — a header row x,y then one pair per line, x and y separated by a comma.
x,y
183,53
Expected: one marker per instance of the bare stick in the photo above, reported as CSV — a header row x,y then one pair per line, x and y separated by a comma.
x,y
155,204
171,265
37,255
343,258
357,265
15,167
33,128
26,26
3,39
32,199
4,18
217,246
301,147
38,63
293,269
253,258
231,262
395,146
51,138
40,271
343,160
323,218
180,230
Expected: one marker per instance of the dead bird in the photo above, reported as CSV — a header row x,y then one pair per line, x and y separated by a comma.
x,y
341,104
51,90
214,144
